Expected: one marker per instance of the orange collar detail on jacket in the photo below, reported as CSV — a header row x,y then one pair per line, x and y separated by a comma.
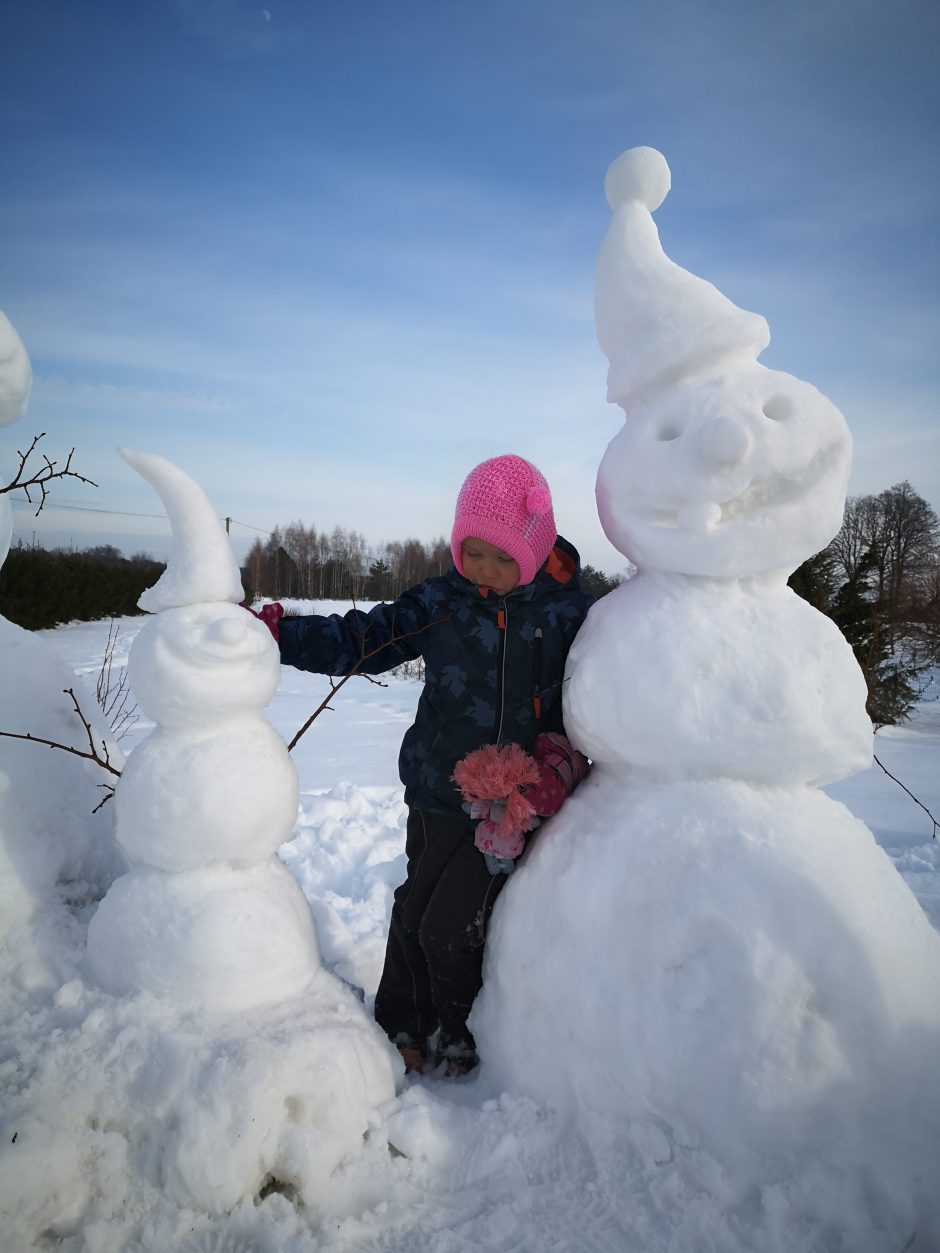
x,y
560,566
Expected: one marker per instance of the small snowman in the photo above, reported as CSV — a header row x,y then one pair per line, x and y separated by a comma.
x,y
704,954
213,1022
283,1065
207,916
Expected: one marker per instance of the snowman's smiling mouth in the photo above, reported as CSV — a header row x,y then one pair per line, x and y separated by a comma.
x,y
759,498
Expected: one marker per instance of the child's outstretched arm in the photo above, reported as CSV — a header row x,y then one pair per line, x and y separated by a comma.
x,y
367,642
270,615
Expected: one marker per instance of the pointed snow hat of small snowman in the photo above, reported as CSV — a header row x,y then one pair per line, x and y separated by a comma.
x,y
656,322
201,568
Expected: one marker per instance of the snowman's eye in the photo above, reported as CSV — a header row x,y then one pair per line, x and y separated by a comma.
x,y
667,432
778,408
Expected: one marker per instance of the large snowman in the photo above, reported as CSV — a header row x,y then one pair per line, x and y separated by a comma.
x,y
704,957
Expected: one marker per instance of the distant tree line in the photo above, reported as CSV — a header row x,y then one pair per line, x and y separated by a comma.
x,y
298,561
42,588
879,581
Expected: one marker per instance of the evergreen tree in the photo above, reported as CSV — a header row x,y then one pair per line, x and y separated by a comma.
x,y
859,613
596,583
814,580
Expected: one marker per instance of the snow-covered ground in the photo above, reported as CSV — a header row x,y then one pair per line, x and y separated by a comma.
x,y
476,1168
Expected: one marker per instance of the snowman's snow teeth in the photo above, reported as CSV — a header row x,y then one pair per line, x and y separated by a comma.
x,y
785,489
773,493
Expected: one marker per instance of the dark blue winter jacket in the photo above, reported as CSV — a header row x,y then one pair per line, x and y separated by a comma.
x,y
494,665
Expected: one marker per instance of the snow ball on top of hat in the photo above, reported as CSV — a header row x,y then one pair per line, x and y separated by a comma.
x,y
506,501
639,174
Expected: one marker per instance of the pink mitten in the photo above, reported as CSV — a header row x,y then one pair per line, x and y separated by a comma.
x,y
488,839
498,773
561,768
270,615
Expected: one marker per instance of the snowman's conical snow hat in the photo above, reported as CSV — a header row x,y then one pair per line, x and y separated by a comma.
x,y
201,568
16,376
655,321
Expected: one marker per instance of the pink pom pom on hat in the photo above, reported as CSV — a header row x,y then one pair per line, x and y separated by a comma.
x,y
506,502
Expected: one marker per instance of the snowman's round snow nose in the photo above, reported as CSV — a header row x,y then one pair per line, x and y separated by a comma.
x,y
723,441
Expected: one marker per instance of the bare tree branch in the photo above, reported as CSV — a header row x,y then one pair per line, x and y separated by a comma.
x,y
364,657
45,474
936,825
109,789
92,755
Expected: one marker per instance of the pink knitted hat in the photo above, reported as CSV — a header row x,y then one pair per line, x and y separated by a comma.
x,y
506,502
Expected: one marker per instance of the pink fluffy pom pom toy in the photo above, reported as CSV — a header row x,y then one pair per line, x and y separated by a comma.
x,y
498,773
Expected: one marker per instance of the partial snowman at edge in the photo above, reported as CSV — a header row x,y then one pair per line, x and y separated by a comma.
x,y
58,833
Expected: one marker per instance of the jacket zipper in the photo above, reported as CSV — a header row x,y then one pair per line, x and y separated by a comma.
x,y
502,620
537,674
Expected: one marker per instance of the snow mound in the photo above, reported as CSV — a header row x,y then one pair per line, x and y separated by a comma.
x,y
235,1107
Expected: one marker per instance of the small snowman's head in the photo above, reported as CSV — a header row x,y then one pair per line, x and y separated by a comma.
x,y
203,658
202,664
724,468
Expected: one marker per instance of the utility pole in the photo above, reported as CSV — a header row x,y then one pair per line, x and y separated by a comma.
x,y
228,526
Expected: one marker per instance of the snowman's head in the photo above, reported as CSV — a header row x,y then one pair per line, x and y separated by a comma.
x,y
203,664
727,476
724,468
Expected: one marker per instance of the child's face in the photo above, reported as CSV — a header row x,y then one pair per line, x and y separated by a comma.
x,y
489,566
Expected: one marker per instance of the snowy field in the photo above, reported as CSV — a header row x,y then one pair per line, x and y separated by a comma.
x,y
476,1169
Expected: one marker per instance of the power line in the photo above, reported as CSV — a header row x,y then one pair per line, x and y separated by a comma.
x,y
120,513
124,513
250,527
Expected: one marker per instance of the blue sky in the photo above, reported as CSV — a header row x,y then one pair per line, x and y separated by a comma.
x,y
328,256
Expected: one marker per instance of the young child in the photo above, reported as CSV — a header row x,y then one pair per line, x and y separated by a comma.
x,y
487,752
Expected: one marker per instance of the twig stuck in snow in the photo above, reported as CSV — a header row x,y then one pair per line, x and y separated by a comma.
x,y
113,697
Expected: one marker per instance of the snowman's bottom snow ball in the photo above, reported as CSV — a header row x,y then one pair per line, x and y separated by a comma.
x,y
217,938
741,966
